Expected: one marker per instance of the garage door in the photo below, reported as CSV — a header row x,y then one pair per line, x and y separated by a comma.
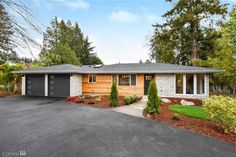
x,y
59,85
35,85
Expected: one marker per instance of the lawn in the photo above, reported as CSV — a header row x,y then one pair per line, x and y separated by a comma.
x,y
191,111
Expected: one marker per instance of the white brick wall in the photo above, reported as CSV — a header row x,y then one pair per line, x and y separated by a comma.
x,y
166,87
75,84
23,85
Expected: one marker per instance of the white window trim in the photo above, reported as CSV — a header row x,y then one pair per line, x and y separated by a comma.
x,y
194,85
92,78
129,80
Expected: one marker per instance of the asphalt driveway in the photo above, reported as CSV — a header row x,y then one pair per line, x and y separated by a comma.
x,y
50,127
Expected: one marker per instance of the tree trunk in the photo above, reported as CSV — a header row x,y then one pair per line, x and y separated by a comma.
x,y
194,51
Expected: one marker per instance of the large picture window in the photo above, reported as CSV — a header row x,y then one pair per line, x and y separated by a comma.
x,y
189,83
200,84
179,83
127,80
186,84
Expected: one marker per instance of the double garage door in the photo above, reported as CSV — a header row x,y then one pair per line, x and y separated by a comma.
x,y
58,85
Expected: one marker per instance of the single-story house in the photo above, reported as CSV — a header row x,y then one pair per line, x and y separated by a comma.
x,y
132,78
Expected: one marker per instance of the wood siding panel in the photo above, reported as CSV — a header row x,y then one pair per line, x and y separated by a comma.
x,y
103,85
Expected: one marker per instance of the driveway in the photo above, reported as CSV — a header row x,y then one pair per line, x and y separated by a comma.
x,y
50,127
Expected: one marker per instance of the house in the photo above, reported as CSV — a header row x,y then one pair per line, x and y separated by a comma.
x,y
133,78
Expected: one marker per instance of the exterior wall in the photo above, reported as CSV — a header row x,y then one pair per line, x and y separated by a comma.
x,y
23,85
103,85
75,84
166,87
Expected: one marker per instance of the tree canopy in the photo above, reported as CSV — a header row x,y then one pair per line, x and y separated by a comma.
x,y
69,37
189,31
225,57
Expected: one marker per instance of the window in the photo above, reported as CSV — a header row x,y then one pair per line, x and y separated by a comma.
x,y
179,83
92,78
200,84
189,83
133,79
124,80
127,80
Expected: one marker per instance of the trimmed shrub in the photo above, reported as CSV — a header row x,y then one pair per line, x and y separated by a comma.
x,y
133,98
153,104
98,99
175,116
113,99
222,109
127,100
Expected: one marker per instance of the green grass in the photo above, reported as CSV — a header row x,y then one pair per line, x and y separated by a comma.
x,y
191,111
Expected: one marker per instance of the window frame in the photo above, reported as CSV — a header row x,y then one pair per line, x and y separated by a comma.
x,y
93,76
130,82
195,88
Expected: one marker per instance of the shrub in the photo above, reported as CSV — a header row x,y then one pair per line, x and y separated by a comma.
x,y
127,100
153,104
113,99
98,99
222,109
175,116
133,98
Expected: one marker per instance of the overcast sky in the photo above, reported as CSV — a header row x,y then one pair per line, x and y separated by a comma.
x,y
118,29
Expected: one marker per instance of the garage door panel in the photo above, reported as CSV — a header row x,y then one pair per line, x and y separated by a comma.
x,y
59,85
35,85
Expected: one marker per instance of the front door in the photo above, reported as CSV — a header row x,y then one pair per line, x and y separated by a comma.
x,y
147,79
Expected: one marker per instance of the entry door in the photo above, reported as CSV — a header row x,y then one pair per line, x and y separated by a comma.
x,y
147,79
59,85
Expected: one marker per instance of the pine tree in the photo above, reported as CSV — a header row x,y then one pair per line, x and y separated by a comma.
x,y
153,103
113,99
188,32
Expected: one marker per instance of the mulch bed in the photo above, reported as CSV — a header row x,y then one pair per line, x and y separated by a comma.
x,y
91,100
196,125
197,102
5,94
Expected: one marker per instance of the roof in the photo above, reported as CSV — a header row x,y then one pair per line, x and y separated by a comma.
x,y
119,68
63,68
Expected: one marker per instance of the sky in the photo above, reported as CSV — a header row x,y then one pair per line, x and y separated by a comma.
x,y
120,30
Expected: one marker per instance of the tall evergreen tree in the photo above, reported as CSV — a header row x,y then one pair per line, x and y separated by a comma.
x,y
6,33
188,32
64,33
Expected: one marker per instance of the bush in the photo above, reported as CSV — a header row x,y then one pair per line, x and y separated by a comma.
x,y
222,109
175,116
98,99
133,98
127,100
113,99
153,104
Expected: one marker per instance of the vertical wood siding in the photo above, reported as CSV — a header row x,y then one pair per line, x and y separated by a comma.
x,y
103,85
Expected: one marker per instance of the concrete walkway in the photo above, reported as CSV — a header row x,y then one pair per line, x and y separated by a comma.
x,y
135,109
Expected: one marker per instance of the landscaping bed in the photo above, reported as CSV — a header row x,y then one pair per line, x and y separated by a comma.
x,y
174,100
202,126
4,94
96,101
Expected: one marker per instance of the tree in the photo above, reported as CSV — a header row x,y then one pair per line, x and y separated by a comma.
x,y
6,33
60,54
22,25
113,99
60,32
188,32
225,57
153,103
